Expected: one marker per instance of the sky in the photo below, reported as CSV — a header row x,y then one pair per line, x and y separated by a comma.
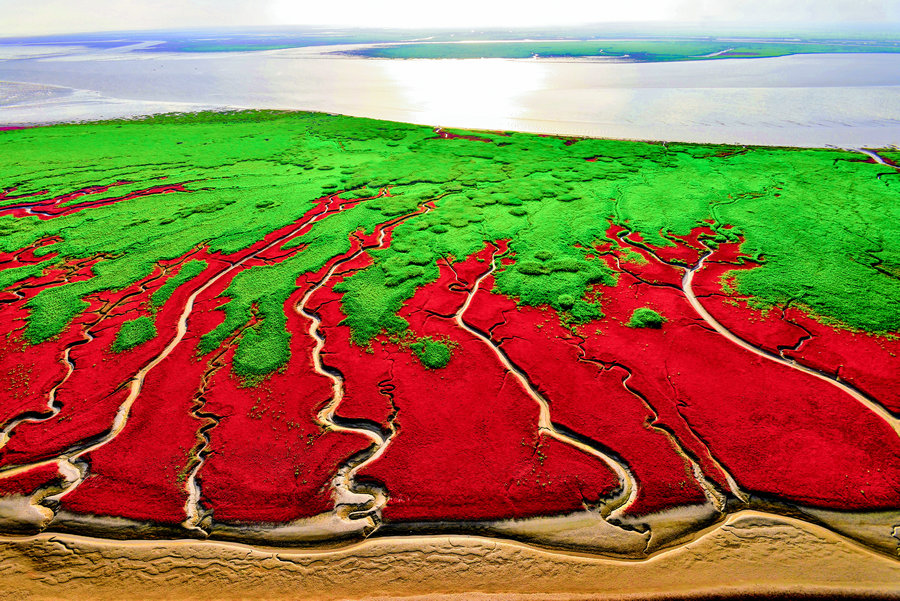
x,y
36,17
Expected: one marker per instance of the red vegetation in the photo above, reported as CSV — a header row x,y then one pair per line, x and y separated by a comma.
x,y
150,483
887,161
89,398
91,395
26,374
470,449
296,455
367,371
27,255
284,474
711,392
141,473
866,361
870,363
28,482
463,441
57,206
592,398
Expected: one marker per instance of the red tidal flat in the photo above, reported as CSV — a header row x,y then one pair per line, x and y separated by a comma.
x,y
468,448
26,255
870,363
677,405
284,473
26,375
26,483
90,397
367,371
866,361
141,473
491,464
836,452
592,399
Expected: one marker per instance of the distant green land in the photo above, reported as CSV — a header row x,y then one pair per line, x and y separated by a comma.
x,y
633,50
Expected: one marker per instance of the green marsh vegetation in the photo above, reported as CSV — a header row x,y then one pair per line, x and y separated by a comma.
x,y
635,50
134,332
188,272
646,317
821,221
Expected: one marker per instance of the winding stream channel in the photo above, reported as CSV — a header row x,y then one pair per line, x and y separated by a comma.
x,y
686,286
353,502
628,492
70,463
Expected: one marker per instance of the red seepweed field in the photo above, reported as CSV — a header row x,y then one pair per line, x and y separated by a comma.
x,y
343,328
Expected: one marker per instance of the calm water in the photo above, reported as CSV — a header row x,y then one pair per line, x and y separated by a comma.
x,y
841,100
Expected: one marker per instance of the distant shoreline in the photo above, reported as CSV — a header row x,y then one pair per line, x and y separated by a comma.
x,y
812,101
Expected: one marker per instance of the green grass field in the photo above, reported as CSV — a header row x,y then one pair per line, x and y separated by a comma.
x,y
825,226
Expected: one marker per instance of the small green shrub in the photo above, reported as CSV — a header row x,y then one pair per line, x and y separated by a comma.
x,y
134,332
432,354
646,318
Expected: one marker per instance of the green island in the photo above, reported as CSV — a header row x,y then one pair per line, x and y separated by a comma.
x,y
632,50
247,174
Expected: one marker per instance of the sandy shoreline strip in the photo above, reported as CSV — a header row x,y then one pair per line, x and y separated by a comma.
x,y
751,553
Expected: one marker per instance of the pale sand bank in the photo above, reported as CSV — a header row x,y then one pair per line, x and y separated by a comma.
x,y
750,553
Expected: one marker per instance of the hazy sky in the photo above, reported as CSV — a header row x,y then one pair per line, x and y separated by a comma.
x,y
23,17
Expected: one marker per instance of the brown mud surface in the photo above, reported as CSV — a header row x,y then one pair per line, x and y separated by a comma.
x,y
750,556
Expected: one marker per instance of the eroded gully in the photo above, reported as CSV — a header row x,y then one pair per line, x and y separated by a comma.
x,y
353,502
628,492
70,464
686,286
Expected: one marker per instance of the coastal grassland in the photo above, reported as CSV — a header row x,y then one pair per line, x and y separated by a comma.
x,y
635,50
821,221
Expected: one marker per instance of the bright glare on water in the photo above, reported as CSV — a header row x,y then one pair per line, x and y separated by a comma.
x,y
804,100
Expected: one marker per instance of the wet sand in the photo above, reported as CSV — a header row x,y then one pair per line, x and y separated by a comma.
x,y
750,554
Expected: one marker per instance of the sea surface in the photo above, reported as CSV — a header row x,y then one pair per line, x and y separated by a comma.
x,y
844,100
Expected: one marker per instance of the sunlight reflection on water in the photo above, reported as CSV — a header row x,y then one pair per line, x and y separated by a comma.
x,y
489,93
802,100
